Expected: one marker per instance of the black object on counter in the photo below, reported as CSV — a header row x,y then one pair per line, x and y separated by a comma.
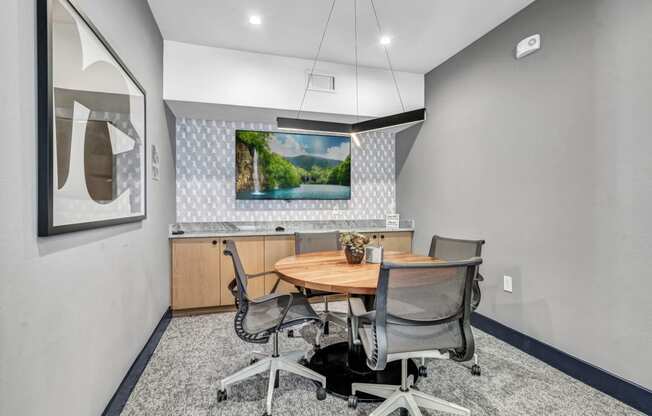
x,y
178,232
279,229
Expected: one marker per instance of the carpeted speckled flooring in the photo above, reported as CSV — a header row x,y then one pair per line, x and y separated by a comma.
x,y
195,352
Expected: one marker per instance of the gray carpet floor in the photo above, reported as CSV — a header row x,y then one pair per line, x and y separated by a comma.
x,y
195,352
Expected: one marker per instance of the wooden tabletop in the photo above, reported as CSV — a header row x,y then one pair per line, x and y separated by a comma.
x,y
329,271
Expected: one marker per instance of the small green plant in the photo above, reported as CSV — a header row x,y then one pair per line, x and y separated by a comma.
x,y
355,242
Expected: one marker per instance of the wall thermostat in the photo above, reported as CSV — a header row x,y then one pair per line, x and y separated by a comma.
x,y
528,45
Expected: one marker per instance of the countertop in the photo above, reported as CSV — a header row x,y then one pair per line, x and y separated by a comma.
x,y
208,230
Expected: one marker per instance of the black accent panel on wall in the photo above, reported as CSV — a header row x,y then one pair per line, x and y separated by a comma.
x,y
627,392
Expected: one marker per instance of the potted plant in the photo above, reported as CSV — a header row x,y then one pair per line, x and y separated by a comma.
x,y
354,245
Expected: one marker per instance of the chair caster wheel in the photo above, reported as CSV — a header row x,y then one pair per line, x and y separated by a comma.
x,y
353,402
291,333
423,371
475,370
253,361
326,328
404,412
321,393
221,395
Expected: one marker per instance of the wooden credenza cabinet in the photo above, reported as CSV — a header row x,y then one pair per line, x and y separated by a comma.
x,y
201,272
196,273
392,240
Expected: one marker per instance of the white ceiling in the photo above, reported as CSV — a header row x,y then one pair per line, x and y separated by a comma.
x,y
424,33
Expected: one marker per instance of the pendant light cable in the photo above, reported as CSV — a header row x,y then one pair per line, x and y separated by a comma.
x,y
314,63
355,29
389,61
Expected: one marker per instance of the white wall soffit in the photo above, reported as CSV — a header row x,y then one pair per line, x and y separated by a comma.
x,y
194,73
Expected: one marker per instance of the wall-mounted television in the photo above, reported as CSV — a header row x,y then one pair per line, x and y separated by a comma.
x,y
291,166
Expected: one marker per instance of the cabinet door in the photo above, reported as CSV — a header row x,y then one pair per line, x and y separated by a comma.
x,y
251,251
396,241
195,273
277,248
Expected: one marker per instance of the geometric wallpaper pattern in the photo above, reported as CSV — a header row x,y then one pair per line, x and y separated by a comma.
x,y
206,178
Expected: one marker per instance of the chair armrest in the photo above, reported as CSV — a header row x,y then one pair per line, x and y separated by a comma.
x,y
278,278
479,278
359,311
261,274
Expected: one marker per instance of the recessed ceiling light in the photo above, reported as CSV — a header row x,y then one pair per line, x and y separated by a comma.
x,y
385,40
255,20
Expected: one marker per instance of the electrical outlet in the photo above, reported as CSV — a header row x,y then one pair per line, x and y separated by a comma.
x,y
507,284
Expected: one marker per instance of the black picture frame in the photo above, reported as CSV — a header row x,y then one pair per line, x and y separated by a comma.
x,y
45,124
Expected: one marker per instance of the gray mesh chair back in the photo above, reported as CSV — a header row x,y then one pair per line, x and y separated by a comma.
x,y
254,321
423,307
453,249
313,242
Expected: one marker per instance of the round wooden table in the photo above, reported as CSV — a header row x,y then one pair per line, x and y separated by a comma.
x,y
344,363
329,271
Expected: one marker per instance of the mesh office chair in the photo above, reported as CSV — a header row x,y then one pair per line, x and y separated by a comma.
x,y
422,310
259,319
455,249
313,242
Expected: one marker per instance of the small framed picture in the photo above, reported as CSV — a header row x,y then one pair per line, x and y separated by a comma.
x,y
392,220
156,173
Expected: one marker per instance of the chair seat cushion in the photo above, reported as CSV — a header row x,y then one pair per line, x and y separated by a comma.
x,y
300,312
403,338
265,315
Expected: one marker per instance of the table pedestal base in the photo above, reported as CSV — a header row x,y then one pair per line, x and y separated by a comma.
x,y
342,367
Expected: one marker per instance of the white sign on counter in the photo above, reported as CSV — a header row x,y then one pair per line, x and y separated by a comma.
x,y
392,220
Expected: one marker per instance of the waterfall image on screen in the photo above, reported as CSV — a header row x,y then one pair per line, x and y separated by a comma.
x,y
272,165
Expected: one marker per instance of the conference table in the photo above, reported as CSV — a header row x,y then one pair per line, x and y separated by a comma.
x,y
345,362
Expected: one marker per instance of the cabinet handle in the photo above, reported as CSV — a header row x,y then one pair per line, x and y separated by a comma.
x,y
214,242
382,237
224,242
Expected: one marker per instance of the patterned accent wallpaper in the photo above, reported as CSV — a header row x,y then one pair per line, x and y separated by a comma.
x,y
206,178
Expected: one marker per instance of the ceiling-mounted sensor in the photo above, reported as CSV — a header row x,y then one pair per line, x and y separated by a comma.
x,y
528,46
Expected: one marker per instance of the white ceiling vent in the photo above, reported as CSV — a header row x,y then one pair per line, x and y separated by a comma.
x,y
320,82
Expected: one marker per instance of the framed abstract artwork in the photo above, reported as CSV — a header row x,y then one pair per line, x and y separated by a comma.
x,y
91,127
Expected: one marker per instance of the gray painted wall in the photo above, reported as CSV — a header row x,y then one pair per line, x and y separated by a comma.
x,y
550,160
76,309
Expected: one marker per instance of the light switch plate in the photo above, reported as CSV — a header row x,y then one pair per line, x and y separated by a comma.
x,y
507,284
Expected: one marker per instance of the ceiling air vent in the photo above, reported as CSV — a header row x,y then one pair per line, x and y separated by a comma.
x,y
320,82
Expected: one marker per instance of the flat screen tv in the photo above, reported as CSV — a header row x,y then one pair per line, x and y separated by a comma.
x,y
290,166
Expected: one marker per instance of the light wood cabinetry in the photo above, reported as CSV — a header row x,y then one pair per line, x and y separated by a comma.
x,y
195,273
252,252
396,241
277,247
201,272
392,241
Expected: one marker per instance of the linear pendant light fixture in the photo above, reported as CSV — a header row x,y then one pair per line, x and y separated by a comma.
x,y
395,120
405,118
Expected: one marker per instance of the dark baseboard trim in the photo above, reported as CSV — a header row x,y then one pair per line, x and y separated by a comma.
x,y
121,395
627,392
